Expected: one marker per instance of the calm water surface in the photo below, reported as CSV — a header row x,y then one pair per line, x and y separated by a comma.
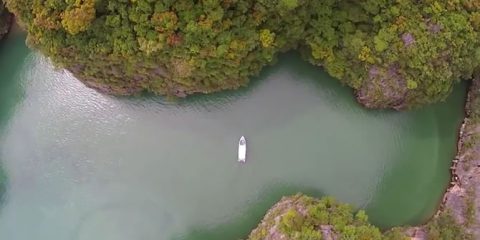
x,y
82,166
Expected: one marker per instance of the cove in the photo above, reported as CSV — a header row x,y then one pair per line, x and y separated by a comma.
x,y
81,165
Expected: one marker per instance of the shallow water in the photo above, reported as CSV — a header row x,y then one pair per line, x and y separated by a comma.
x,y
82,165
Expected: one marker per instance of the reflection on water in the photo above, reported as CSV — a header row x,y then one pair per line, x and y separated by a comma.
x,y
82,165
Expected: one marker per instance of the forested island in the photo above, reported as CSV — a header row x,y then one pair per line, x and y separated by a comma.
x,y
303,217
395,54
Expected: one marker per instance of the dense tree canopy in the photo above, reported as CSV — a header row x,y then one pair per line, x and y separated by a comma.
x,y
166,47
302,217
395,53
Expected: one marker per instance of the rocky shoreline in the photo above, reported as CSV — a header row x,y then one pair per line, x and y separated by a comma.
x,y
462,199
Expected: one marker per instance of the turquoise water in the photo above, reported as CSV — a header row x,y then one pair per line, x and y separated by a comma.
x,y
82,165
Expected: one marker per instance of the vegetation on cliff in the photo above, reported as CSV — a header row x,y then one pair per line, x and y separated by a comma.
x,y
303,217
166,47
445,227
394,53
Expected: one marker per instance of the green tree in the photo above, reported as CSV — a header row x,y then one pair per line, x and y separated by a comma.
x,y
393,53
79,18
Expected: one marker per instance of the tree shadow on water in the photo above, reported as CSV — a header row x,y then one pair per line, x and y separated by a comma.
x,y
241,226
289,60
13,53
202,100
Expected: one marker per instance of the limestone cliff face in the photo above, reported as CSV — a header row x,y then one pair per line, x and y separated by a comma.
x,y
5,20
385,88
462,199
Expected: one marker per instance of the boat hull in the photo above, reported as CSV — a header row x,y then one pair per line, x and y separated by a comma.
x,y
242,150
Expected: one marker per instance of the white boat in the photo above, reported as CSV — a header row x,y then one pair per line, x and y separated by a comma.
x,y
242,149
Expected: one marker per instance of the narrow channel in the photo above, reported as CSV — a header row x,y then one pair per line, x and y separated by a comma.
x,y
82,165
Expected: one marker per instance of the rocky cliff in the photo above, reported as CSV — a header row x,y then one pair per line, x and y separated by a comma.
x,y
5,20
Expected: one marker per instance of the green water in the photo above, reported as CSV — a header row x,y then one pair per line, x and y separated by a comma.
x,y
83,166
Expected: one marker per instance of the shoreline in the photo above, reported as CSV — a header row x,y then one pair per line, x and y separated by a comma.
x,y
9,22
461,199
441,202
466,164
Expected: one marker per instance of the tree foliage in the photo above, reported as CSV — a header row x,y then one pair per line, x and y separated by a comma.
x,y
347,224
315,219
446,228
300,217
79,17
166,47
395,53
